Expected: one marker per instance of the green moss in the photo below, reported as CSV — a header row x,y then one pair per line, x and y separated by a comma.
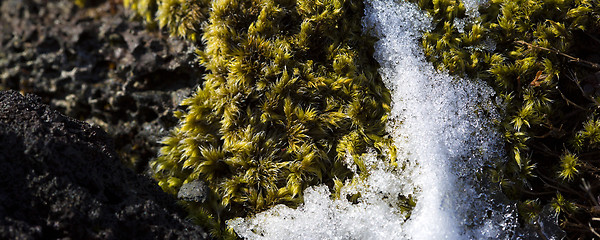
x,y
182,18
291,91
146,9
542,69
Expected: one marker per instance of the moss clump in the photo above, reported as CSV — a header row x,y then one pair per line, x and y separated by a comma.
x,y
543,68
146,9
182,18
291,91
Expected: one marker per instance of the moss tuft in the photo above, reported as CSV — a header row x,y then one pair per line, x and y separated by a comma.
x,y
291,91
182,18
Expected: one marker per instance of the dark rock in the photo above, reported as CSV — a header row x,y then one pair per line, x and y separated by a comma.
x,y
95,64
60,178
195,191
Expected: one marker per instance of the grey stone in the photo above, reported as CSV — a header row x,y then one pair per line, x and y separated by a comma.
x,y
194,191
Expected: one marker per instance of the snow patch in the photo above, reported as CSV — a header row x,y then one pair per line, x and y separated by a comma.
x,y
443,129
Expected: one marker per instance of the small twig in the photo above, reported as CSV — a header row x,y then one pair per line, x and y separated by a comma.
x,y
562,188
576,226
588,166
590,154
569,101
552,131
545,135
534,193
586,186
592,229
592,37
576,81
538,229
574,59
545,150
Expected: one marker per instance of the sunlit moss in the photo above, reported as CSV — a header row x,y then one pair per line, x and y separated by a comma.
x,y
588,137
291,91
568,166
561,205
533,53
182,18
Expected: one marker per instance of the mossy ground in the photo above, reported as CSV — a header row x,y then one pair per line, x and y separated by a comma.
x,y
291,91
288,80
544,70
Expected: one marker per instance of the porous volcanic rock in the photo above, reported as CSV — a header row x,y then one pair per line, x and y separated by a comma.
x,y
98,65
60,178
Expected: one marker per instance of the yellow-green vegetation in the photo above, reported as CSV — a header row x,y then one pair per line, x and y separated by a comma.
x,y
143,8
182,18
541,57
291,91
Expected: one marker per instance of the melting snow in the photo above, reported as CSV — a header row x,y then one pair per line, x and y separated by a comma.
x,y
443,128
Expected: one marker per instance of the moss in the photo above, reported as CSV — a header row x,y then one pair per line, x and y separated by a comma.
x,y
291,91
146,9
182,18
542,69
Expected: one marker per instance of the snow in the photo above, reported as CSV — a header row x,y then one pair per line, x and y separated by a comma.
x,y
443,128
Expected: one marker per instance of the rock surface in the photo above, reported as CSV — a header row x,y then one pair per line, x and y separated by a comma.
x,y
194,191
61,178
98,65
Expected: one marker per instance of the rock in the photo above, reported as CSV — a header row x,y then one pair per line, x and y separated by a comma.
x,y
195,191
61,179
97,65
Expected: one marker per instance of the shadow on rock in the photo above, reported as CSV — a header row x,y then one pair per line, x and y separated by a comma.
x,y
61,178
